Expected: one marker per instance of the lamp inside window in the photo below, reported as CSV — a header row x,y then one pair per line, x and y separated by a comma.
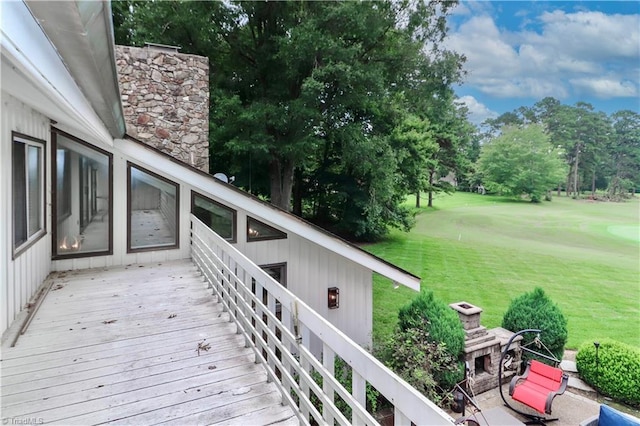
x,y
334,298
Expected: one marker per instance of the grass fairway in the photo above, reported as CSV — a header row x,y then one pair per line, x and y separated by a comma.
x,y
487,250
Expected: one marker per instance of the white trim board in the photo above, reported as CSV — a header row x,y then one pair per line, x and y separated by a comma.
x,y
164,165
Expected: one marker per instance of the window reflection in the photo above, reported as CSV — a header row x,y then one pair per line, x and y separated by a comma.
x,y
153,211
83,193
260,231
219,218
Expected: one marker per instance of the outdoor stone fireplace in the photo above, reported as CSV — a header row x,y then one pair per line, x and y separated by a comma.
x,y
165,97
483,348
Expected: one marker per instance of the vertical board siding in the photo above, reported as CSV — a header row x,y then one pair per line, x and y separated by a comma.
x,y
311,268
20,277
120,255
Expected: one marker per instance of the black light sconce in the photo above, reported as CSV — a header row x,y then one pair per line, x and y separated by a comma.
x,y
334,298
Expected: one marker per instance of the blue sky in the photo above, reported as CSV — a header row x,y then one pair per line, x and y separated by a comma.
x,y
519,52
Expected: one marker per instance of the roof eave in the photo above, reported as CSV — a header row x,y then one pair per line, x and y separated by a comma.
x,y
82,32
289,221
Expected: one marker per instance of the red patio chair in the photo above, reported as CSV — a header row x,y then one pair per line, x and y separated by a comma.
x,y
537,387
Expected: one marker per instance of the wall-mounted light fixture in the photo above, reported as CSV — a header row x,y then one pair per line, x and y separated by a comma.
x,y
334,298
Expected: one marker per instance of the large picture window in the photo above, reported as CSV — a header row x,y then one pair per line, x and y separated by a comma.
x,y
219,218
153,211
28,191
83,192
63,183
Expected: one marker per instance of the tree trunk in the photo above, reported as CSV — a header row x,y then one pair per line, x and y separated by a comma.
x,y
431,173
575,171
418,199
593,183
281,182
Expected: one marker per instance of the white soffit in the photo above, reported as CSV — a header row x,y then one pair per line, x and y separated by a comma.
x,y
82,32
37,76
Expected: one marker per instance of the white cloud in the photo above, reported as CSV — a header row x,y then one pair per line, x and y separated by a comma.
x,y
480,41
605,88
592,35
569,54
522,87
461,9
478,112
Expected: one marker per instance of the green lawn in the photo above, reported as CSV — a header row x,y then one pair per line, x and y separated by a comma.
x,y
487,250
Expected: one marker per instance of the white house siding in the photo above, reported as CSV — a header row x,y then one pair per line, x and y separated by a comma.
x,y
311,270
20,277
120,255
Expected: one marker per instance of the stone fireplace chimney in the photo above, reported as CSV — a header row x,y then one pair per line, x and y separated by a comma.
x,y
483,348
165,96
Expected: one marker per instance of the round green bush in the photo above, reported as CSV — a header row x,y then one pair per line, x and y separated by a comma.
x,y
617,373
443,323
442,326
536,310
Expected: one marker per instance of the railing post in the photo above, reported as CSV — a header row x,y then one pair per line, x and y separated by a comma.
x,y
271,306
359,392
328,362
260,315
399,419
304,388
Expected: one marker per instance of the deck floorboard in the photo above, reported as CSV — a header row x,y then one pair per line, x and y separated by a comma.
x,y
120,346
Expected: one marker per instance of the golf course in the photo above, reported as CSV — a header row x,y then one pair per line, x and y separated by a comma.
x,y
487,250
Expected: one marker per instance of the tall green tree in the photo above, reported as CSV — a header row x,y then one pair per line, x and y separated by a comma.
x,y
578,129
429,95
304,95
415,146
624,153
454,136
521,161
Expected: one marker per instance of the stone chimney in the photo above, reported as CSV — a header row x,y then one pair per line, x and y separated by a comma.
x,y
165,96
483,348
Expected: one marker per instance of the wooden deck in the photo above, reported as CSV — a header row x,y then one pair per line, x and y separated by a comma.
x,y
120,345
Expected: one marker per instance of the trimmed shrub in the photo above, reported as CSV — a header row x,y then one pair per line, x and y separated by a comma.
x,y
617,374
441,325
536,310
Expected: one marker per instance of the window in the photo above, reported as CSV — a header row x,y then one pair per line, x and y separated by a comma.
x,y
277,271
63,183
259,231
221,219
153,215
28,191
82,201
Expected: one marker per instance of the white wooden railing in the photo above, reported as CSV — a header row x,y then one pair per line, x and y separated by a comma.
x,y
280,327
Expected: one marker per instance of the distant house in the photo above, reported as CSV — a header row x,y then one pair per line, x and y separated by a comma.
x,y
104,156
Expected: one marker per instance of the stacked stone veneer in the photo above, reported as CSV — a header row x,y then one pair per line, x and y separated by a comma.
x,y
165,96
483,348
